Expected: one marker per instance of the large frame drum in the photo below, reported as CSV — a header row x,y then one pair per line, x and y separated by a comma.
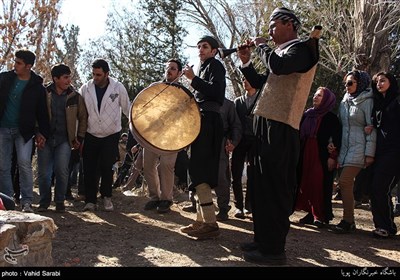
x,y
165,118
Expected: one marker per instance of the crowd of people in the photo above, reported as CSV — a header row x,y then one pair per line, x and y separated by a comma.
x,y
291,155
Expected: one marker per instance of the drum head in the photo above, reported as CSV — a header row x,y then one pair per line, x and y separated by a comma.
x,y
166,117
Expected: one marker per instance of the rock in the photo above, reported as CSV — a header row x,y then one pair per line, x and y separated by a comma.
x,y
25,239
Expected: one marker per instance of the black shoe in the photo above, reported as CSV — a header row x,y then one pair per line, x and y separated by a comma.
x,y
164,206
117,183
42,209
319,224
357,204
60,207
381,233
239,214
337,196
222,216
257,257
152,204
247,208
307,219
191,209
249,246
247,211
69,197
344,227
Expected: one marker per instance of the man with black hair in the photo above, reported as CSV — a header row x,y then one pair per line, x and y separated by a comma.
x,y
244,152
105,98
232,136
158,167
278,110
22,106
68,124
209,91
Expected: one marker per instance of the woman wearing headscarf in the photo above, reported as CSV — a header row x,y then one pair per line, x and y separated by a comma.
x,y
358,147
386,169
318,128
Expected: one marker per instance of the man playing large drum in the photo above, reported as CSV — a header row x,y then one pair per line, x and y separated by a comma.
x,y
159,167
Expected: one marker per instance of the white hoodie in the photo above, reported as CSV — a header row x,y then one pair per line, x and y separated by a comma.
x,y
108,120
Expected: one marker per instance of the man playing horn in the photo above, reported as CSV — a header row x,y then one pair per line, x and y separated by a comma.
x,y
278,111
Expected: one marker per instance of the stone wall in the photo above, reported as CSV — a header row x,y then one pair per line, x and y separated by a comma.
x,y
25,239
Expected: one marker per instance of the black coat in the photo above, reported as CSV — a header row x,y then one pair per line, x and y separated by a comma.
x,y
33,104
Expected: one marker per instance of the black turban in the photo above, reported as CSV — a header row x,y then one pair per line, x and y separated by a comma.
x,y
285,14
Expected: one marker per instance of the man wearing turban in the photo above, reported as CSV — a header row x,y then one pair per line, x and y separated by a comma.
x,y
278,110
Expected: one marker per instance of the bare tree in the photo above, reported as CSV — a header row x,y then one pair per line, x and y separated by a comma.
x,y
231,23
376,20
359,34
356,33
29,24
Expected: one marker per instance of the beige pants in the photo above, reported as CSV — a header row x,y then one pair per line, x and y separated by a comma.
x,y
205,205
159,174
346,184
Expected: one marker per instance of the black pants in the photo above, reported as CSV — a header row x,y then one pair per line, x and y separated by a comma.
x,y
362,184
327,193
181,167
386,174
278,148
99,155
205,151
244,150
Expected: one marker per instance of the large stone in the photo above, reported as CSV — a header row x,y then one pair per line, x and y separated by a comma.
x,y
25,239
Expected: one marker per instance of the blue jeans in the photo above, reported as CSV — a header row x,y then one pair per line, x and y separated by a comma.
x,y
53,158
8,138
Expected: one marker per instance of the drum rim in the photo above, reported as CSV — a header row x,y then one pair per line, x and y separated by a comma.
x,y
178,85
146,144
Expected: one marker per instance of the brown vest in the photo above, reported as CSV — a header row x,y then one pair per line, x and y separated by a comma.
x,y
284,96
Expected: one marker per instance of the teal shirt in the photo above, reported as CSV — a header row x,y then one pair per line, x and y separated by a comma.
x,y
11,114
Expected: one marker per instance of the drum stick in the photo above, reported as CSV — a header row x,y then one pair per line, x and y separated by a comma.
x,y
182,74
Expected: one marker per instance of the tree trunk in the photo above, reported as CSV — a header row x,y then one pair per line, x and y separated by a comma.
x,y
371,36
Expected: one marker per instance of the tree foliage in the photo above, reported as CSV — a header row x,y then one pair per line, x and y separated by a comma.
x,y
138,44
70,52
167,32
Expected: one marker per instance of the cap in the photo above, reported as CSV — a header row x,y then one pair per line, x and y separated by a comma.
x,y
211,40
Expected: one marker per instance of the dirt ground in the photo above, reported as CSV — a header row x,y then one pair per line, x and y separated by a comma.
x,y
132,237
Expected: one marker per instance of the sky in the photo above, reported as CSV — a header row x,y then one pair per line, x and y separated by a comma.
x,y
90,16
